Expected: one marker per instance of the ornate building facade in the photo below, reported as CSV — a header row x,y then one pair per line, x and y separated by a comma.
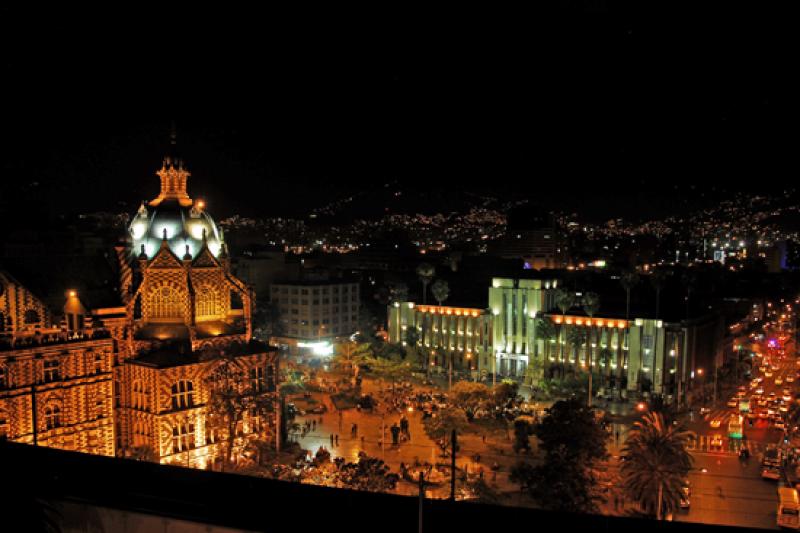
x,y
139,378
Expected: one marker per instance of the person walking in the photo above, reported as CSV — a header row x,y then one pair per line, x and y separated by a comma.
x,y
337,439
331,439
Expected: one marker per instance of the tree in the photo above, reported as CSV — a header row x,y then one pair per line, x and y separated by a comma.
x,y
469,396
591,304
440,290
572,428
504,392
604,361
546,331
425,272
368,473
656,464
564,301
232,397
352,355
398,292
559,484
523,429
658,279
440,426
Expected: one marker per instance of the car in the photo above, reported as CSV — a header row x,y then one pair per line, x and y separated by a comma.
x,y
742,388
715,423
787,398
759,379
733,402
768,374
772,395
789,379
778,381
740,394
783,408
771,472
716,441
704,410
779,424
760,390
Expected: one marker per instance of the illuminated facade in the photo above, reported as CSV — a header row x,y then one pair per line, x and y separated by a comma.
x,y
458,335
55,378
514,304
136,379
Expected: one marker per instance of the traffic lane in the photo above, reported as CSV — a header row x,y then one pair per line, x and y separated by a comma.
x,y
730,493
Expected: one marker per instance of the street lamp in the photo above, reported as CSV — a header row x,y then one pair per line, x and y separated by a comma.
x,y
702,384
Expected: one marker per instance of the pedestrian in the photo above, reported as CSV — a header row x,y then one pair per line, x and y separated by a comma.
x,y
484,438
362,441
314,425
331,439
337,439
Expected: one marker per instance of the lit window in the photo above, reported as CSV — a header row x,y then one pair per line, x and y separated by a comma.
x,y
182,395
51,370
52,416
182,437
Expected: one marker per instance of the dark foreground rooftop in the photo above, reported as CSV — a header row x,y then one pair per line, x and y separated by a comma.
x,y
169,493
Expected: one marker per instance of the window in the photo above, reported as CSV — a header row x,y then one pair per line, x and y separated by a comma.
x,y
182,394
183,437
207,301
5,380
271,378
165,302
31,316
52,416
257,382
98,363
51,370
304,292
139,399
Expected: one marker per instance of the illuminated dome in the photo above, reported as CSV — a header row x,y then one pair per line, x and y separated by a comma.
x,y
174,216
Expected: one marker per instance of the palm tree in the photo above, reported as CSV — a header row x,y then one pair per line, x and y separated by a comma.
x,y
545,330
657,279
564,301
425,272
576,337
656,464
398,292
591,304
440,290
628,281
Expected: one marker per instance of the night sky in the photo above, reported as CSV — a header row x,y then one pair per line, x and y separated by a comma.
x,y
593,106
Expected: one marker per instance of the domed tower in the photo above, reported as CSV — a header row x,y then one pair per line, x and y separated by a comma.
x,y
174,214
184,288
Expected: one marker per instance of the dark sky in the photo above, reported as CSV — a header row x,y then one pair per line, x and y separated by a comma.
x,y
597,105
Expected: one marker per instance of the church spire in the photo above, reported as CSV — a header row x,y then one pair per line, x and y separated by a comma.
x,y
173,174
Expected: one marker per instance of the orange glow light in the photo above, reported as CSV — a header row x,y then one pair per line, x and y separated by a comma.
x,y
580,322
569,320
599,322
620,324
558,321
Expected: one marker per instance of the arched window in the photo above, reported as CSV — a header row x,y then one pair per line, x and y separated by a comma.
x,y
165,302
52,416
183,437
138,395
31,316
2,322
5,379
207,302
182,394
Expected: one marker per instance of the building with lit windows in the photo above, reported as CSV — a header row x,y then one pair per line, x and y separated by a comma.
x,y
313,313
136,378
447,335
514,304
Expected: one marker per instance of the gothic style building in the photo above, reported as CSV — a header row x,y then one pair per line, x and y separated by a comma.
x,y
138,378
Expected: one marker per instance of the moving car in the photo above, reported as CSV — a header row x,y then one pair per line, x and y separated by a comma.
x,y
715,423
771,472
733,402
788,508
716,441
778,381
790,379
